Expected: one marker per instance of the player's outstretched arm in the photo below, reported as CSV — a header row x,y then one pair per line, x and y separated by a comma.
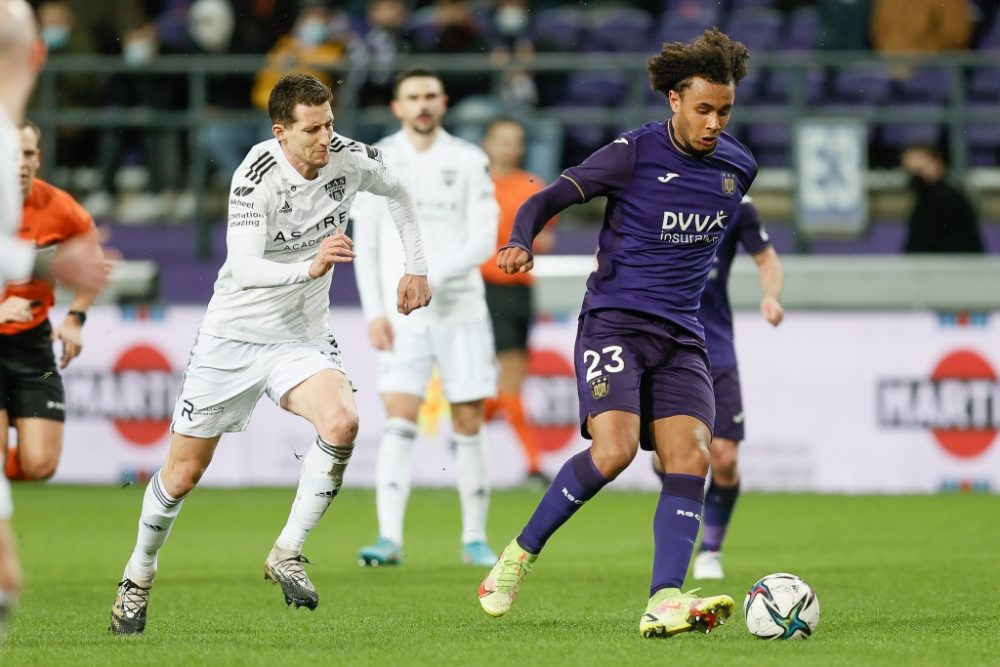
x,y
413,293
772,283
70,332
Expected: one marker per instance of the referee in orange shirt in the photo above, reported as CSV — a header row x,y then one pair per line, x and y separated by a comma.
x,y
31,389
509,296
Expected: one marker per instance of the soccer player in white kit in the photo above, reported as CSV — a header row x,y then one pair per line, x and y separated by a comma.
x,y
457,213
22,54
265,329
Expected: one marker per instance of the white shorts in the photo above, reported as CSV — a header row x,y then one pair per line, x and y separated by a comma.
x,y
6,503
464,354
225,378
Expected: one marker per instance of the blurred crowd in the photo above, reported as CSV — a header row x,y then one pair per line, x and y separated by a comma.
x,y
138,174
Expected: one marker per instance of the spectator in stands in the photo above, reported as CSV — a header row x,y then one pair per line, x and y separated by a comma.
x,y
318,43
377,49
144,166
63,35
455,31
943,219
907,26
211,26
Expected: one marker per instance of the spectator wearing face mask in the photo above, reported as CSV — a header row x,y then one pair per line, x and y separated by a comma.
x,y
317,44
64,36
143,167
213,28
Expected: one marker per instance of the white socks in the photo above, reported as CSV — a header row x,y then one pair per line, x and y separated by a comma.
x,y
392,477
159,509
319,482
473,484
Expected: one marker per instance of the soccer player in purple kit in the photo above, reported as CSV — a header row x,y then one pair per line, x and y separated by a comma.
x,y
641,363
716,315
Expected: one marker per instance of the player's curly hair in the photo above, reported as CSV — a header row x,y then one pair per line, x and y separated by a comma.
x,y
292,90
714,57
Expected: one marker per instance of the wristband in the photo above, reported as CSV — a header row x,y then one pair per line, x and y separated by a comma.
x,y
79,314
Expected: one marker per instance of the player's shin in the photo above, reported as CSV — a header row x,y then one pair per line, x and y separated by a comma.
x,y
577,481
392,477
159,510
675,528
474,495
320,480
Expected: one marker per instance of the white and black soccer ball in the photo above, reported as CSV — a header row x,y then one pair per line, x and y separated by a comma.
x,y
781,606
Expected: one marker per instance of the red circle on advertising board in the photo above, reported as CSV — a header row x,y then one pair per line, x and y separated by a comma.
x,y
560,429
142,358
966,442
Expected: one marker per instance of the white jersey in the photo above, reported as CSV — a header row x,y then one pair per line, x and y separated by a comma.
x,y
457,212
277,220
16,257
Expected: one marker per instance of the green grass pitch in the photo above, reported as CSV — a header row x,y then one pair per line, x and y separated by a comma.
x,y
901,580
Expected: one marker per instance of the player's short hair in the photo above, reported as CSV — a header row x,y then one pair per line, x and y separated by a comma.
x,y
34,128
413,73
713,56
292,90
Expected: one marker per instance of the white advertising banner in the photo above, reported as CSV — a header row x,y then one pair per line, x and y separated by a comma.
x,y
835,402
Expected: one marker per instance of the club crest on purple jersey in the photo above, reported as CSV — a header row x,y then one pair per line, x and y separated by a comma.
x,y
728,182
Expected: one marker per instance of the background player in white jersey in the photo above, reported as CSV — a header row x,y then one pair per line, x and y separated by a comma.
x,y
21,56
266,330
458,222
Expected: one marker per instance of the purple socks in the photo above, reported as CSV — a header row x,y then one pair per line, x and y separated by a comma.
x,y
719,503
675,528
576,482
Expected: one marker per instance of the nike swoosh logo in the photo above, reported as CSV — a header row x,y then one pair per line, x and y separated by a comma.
x,y
669,177
620,140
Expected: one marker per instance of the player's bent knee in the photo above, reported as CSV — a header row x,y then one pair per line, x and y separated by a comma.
x,y
39,469
612,458
339,428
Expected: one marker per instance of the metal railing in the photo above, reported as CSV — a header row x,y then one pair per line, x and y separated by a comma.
x,y
634,110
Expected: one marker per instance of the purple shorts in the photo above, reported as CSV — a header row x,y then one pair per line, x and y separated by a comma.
x,y
728,403
630,361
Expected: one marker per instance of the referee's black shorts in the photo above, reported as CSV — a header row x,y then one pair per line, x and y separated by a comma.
x,y
511,309
30,384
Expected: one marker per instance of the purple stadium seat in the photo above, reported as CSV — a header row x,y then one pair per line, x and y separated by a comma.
x,y
927,84
758,27
707,11
595,89
771,143
677,28
897,136
619,30
801,31
779,82
990,40
984,83
865,84
735,5
983,137
559,29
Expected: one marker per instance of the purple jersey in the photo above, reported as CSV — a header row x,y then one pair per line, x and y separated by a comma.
x,y
665,215
715,314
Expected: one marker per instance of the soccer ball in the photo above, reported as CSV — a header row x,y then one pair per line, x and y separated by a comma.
x,y
781,606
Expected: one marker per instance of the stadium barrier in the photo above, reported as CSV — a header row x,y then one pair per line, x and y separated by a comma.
x,y
953,111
